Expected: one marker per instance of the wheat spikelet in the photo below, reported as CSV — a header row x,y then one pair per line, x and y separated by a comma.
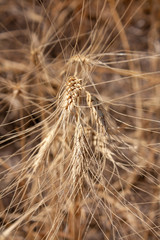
x,y
95,107
72,92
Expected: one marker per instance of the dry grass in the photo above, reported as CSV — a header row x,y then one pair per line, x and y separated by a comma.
x,y
79,120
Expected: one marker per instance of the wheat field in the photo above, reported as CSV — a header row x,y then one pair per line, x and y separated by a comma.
x,y
79,119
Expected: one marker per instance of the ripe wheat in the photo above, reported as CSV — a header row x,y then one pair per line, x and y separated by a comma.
x,y
79,120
